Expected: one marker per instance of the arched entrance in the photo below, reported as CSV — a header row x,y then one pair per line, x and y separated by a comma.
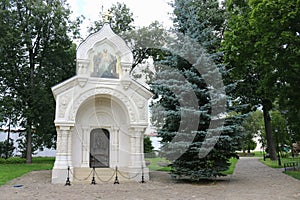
x,y
99,148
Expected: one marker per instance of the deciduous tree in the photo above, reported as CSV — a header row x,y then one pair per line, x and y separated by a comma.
x,y
253,125
251,67
36,53
119,16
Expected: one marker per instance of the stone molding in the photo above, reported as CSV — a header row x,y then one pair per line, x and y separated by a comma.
x,y
105,35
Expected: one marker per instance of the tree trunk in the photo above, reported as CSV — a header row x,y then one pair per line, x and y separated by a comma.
x,y
31,102
8,138
29,147
269,136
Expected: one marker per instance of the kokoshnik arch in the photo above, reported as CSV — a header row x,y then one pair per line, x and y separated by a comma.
x,y
101,113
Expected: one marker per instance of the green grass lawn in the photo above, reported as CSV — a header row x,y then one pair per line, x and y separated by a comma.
x,y
252,154
274,164
233,162
18,167
295,174
154,165
258,153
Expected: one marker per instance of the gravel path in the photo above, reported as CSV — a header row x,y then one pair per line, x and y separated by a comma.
x,y
251,180
254,180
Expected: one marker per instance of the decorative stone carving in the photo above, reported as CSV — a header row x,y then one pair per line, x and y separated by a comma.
x,y
142,104
104,119
105,34
63,104
103,91
82,81
125,84
82,67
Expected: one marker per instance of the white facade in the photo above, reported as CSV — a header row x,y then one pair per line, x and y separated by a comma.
x,y
101,98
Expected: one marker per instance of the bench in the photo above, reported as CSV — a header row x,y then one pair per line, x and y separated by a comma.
x,y
291,166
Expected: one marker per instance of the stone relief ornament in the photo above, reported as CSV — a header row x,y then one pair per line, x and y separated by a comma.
x,y
63,104
142,106
104,91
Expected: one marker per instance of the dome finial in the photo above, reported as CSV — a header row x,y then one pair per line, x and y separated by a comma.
x,y
107,16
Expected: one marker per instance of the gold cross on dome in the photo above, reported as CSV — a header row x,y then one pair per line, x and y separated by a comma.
x,y
106,16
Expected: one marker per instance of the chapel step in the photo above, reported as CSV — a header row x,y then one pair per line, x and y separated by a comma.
x,y
102,175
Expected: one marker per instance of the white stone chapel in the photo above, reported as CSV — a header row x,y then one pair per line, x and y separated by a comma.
x,y
101,113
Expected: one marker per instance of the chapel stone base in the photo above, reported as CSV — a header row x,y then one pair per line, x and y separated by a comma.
x,y
102,175
59,176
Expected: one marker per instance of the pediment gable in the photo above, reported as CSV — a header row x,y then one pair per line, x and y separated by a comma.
x,y
105,37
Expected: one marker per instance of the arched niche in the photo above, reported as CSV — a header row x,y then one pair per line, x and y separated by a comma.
x,y
101,112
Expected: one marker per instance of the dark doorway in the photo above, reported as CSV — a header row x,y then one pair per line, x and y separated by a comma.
x,y
99,148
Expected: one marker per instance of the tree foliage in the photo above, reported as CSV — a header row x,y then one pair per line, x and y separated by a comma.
x,y
120,19
277,24
143,41
148,148
260,47
146,42
36,53
189,106
253,126
280,131
7,148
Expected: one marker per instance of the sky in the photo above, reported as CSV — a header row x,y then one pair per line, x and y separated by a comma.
x,y
144,11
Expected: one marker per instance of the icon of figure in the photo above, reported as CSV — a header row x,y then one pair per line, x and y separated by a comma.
x,y
105,65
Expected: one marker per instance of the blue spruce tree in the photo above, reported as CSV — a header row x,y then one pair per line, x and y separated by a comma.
x,y
189,109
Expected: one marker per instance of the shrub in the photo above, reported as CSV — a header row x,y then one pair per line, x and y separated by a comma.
x,y
12,160
7,149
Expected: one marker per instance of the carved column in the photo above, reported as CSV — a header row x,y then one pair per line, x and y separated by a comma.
x,y
115,131
85,147
63,158
137,167
136,142
69,149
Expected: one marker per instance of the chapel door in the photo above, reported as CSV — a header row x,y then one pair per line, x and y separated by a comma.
x,y
99,148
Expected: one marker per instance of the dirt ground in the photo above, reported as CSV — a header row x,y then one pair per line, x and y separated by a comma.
x,y
36,185
251,180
